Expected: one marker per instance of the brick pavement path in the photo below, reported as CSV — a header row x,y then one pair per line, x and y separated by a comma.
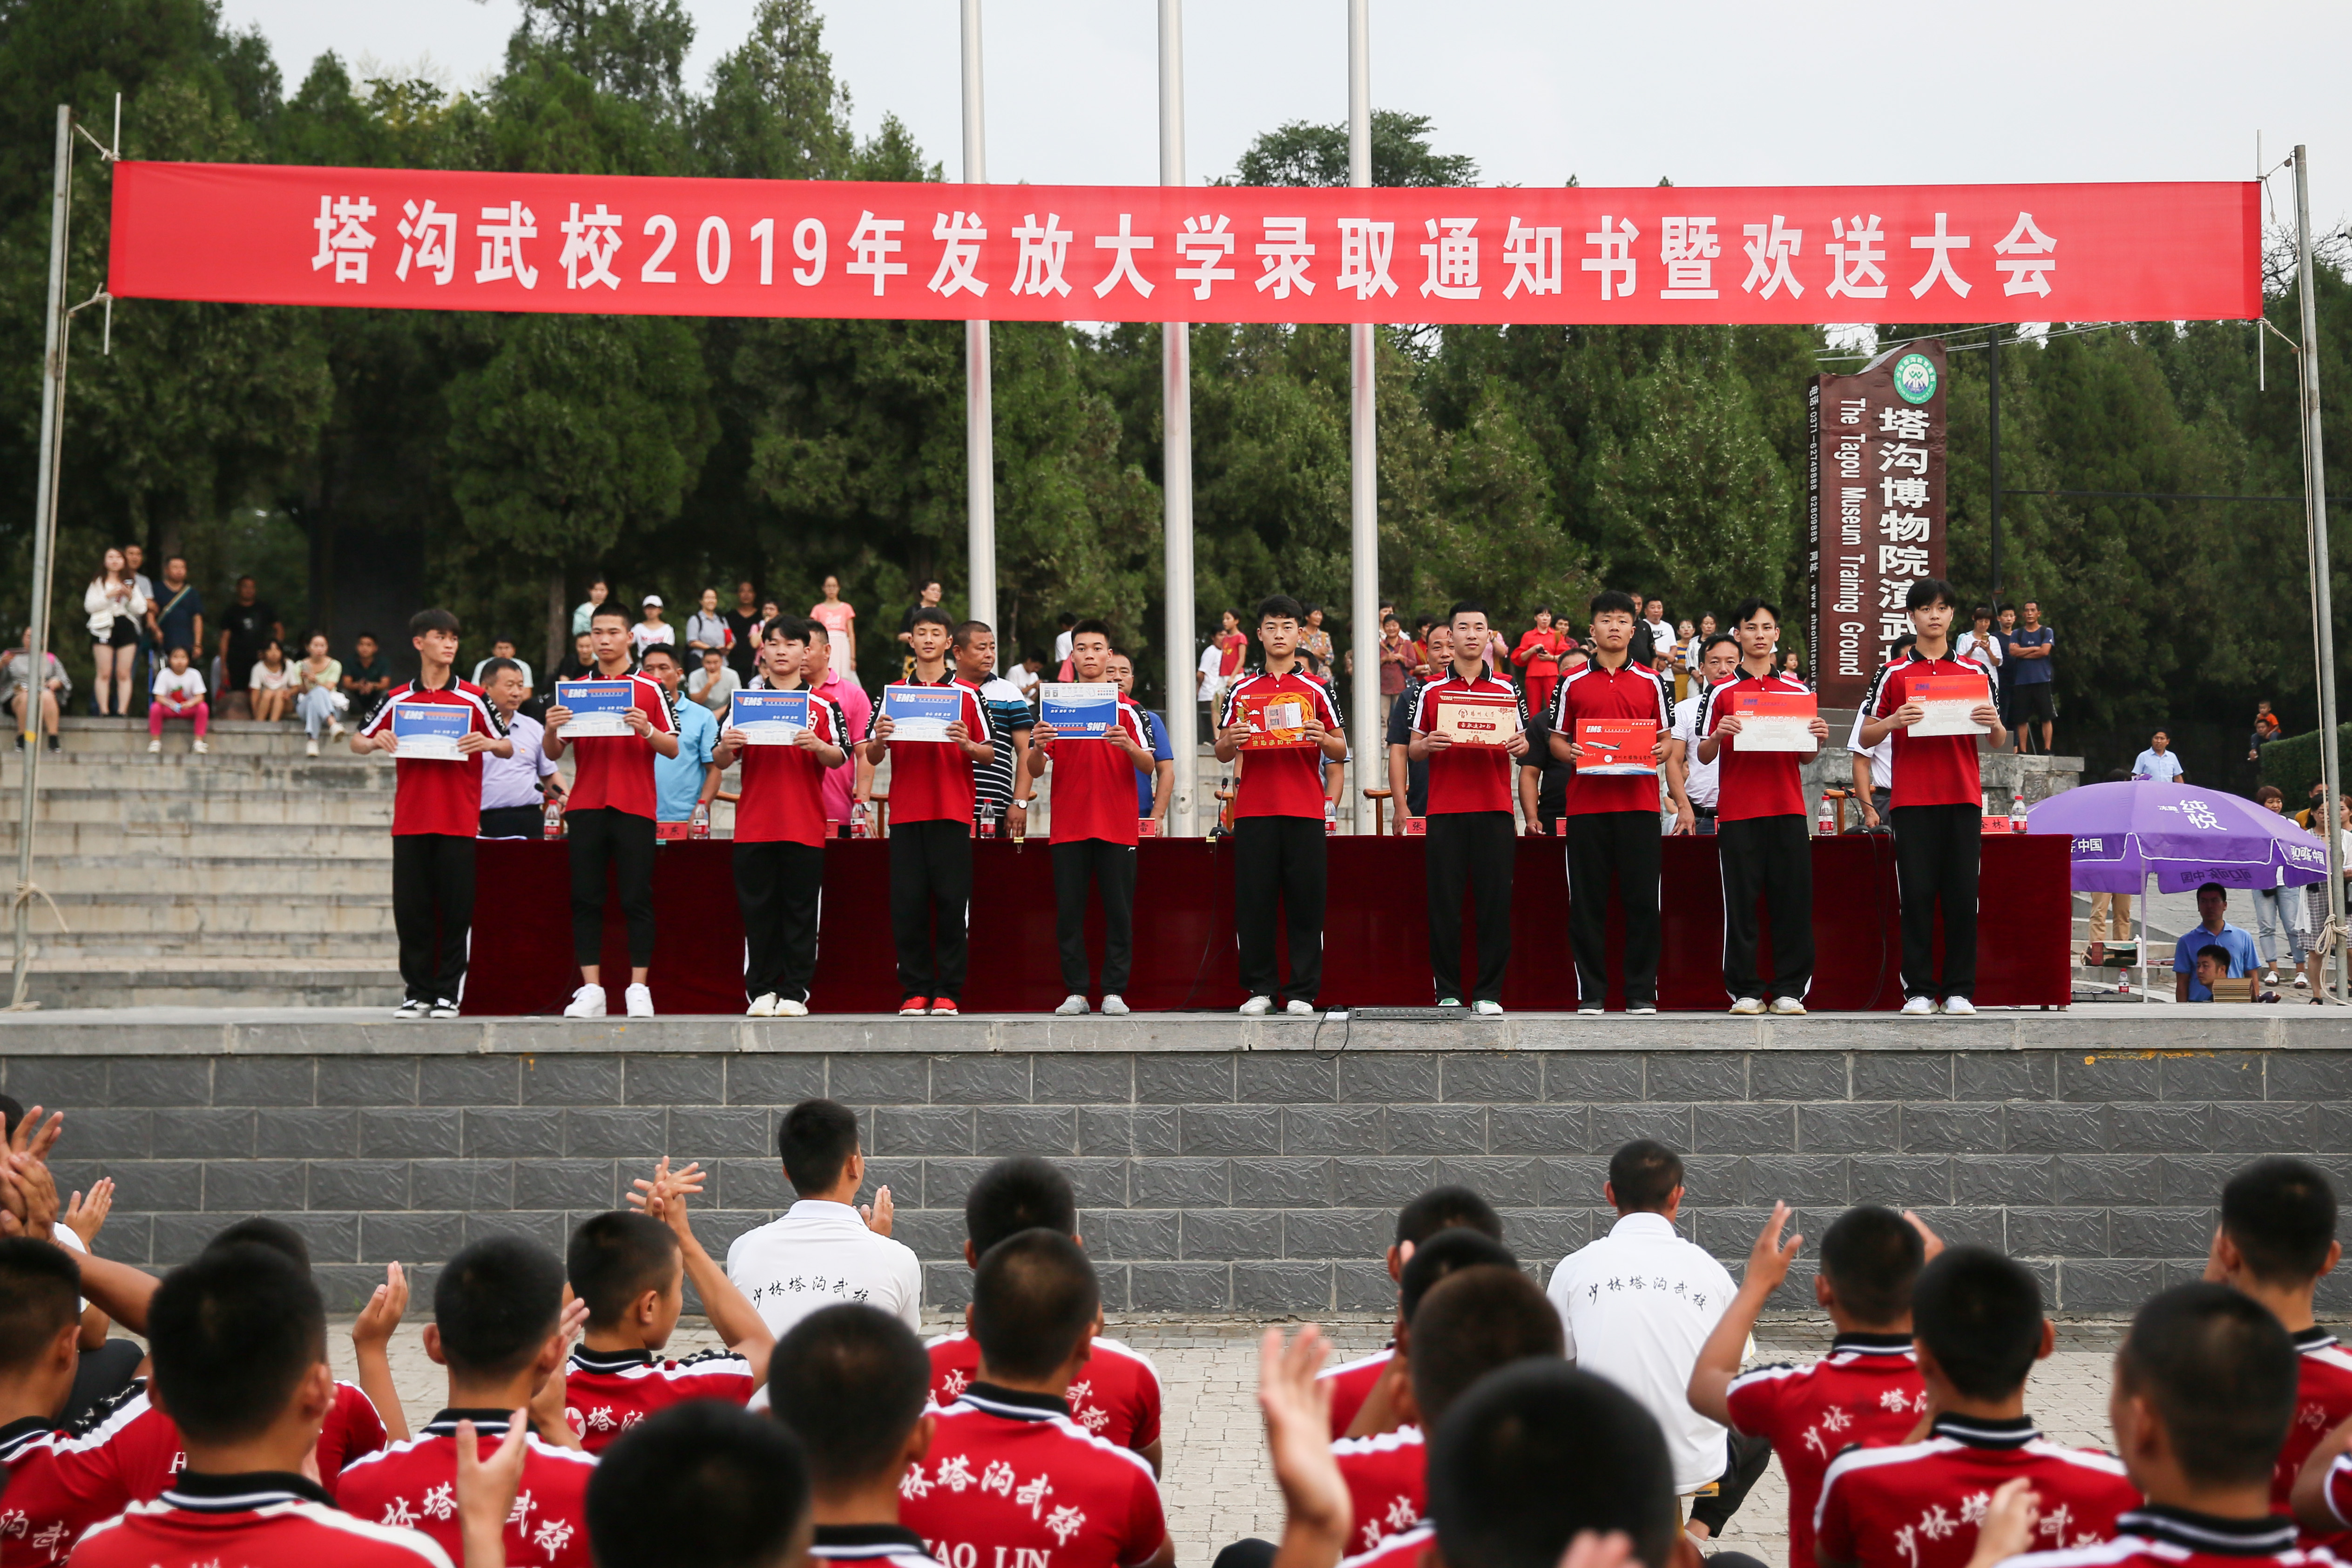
x,y
1218,1489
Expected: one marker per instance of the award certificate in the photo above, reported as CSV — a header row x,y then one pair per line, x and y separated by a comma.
x,y
1952,701
921,713
429,731
1078,708
599,708
1476,720
769,718
1777,721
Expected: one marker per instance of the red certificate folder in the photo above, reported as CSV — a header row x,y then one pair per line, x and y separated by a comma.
x,y
1277,719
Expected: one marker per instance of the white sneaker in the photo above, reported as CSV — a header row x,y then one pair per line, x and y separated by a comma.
x,y
639,1001
310,748
1748,1006
1919,1007
335,730
1073,1005
1257,1006
762,1005
791,1007
588,1002
201,748
1490,1009
1958,1007
1113,1005
1788,1007
410,1011
444,1008
1298,1009
154,746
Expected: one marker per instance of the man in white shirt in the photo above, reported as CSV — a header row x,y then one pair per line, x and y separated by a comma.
x,y
1690,784
825,1250
1637,1304
2159,763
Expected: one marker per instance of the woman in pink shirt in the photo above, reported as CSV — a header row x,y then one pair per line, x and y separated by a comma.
x,y
840,624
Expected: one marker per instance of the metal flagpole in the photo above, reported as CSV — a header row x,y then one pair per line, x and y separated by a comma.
x,y
1367,722
2314,492
1993,396
980,431
1176,452
45,528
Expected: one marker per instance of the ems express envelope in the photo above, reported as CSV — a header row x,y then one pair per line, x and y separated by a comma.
x,y
1617,746
429,731
599,708
767,718
1778,722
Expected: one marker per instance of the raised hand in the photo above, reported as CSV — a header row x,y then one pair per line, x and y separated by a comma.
x,y
87,1216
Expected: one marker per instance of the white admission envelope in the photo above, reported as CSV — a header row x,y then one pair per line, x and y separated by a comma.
x,y
1777,721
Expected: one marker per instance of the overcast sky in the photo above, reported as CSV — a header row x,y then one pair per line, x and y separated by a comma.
x,y
1701,91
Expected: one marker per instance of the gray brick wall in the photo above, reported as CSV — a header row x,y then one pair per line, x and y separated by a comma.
x,y
1246,1181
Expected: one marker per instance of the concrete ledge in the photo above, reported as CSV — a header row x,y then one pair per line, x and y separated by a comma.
x,y
352,1031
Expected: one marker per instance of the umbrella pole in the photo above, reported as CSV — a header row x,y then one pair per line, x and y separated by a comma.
x,y
2147,891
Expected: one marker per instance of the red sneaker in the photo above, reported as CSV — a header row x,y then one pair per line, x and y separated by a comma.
x,y
943,1006
916,1005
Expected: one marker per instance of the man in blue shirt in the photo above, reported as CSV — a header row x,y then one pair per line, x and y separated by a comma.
x,y
2213,931
1152,792
2025,669
2158,763
686,783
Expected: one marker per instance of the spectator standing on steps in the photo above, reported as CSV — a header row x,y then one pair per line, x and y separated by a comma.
x,y
2158,763
248,625
175,612
2028,663
116,609
2277,907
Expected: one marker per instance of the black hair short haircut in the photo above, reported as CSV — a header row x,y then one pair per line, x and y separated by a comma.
x,y
1929,590
662,650
2216,951
1644,1174
261,1230
425,621
1979,1313
814,1141
1279,607
498,667
1023,1192
2203,888
1614,600
496,1303
1471,1322
1066,620
1538,1452
1447,1253
1981,613
1092,625
1708,645
1032,1300
616,1256
2221,1374
231,1336
962,632
852,1381
1443,1207
40,1298
1747,609
931,615
787,628
2279,1214
704,1483
610,610
1465,607
1872,1255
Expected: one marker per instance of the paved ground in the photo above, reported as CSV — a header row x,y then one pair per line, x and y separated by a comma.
x,y
1218,1489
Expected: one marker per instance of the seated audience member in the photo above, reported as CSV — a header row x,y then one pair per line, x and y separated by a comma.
x,y
178,693
1866,1390
1473,1320
713,684
701,1484
58,1485
1067,1496
271,684
1117,1396
2276,1241
2203,1393
2237,959
1353,1382
367,677
823,1234
239,1344
854,1384
498,1326
1980,1329
631,1268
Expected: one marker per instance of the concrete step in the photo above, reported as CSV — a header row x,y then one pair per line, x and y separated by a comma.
x,y
242,736
202,949
185,839
250,877
78,771
364,909
127,800
250,982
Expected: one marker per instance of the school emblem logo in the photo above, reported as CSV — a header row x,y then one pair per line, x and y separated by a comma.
x,y
1915,378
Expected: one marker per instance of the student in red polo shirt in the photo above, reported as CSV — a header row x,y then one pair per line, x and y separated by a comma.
x,y
1763,844
1866,1390
1364,1391
1937,807
436,810
930,828
852,1382
1472,838
58,1483
1010,1477
609,818
1093,827
498,1326
1278,850
1979,1319
238,1339
780,832
1611,821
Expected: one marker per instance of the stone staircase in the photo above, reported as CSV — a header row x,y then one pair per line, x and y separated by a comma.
x,y
249,877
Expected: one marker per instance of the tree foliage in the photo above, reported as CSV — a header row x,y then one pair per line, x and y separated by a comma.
x,y
496,463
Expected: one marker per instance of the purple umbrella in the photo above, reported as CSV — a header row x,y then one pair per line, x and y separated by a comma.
x,y
2181,834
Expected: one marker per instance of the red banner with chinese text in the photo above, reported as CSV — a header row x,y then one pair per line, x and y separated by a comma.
x,y
426,239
